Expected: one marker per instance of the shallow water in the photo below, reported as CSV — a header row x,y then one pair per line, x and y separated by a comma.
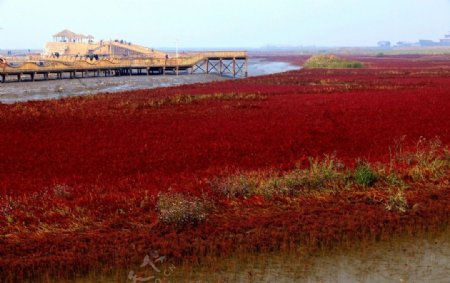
x,y
421,259
12,92
258,67
424,258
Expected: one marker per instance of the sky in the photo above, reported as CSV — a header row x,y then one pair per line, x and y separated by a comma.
x,y
225,23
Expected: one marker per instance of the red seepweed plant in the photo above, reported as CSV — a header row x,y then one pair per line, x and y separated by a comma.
x,y
81,179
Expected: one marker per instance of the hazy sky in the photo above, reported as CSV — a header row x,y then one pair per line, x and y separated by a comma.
x,y
225,23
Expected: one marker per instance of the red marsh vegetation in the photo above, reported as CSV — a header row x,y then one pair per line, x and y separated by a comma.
x,y
313,158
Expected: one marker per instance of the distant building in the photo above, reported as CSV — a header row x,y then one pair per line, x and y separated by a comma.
x,y
426,42
404,44
384,44
446,41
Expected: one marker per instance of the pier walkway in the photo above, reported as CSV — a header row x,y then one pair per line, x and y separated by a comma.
x,y
224,63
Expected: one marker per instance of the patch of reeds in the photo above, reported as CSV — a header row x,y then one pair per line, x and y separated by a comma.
x,y
331,62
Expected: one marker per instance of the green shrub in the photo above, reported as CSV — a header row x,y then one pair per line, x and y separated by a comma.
x,y
365,176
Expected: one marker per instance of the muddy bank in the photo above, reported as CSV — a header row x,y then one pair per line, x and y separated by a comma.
x,y
55,89
12,92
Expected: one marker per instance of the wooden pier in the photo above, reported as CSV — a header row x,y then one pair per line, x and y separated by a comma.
x,y
227,63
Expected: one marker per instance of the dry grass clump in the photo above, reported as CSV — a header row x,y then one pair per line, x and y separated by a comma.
x,y
238,185
185,99
331,62
322,174
397,201
430,160
189,99
180,210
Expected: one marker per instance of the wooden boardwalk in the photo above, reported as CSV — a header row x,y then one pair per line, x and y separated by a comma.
x,y
226,63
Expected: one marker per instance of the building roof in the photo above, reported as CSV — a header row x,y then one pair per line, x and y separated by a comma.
x,y
65,33
71,35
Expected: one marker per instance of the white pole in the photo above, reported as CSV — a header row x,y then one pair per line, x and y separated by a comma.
x,y
176,43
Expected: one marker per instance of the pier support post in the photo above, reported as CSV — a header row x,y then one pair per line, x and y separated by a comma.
x,y
3,78
207,66
246,67
234,67
32,76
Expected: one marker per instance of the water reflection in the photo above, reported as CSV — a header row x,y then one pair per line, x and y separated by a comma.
x,y
412,259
